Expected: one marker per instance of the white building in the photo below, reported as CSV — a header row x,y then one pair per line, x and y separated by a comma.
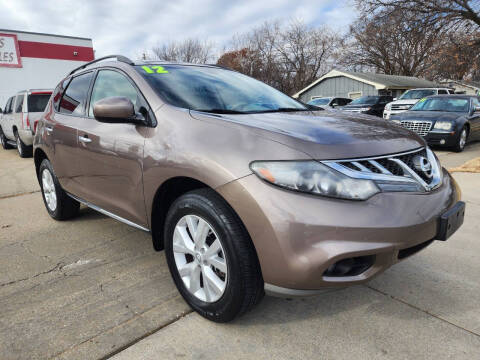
x,y
38,61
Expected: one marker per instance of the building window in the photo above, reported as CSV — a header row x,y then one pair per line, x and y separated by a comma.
x,y
354,95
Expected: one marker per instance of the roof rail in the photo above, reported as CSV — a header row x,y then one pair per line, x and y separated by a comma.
x,y
118,57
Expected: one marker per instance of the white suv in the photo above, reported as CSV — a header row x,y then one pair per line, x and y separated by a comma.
x,y
410,98
19,118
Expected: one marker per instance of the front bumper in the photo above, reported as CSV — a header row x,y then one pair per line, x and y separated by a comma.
x,y
441,138
298,236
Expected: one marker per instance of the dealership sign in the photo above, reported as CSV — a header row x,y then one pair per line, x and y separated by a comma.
x,y
9,52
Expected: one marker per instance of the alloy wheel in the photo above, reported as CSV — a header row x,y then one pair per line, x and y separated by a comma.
x,y
19,145
49,191
463,138
200,258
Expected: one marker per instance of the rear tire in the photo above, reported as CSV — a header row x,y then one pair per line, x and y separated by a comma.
x,y
24,151
229,285
461,140
3,141
59,205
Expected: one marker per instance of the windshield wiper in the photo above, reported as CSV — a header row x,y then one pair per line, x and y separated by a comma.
x,y
220,111
285,109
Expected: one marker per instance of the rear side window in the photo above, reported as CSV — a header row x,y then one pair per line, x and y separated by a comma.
x,y
74,99
37,102
58,92
7,106
10,107
19,103
442,92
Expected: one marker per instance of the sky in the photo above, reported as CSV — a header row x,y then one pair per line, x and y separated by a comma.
x,y
132,27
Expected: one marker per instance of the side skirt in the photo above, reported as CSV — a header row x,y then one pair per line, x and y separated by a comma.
x,y
108,213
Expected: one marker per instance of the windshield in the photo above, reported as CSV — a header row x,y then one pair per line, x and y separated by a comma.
x,y
38,102
442,104
214,89
321,101
370,100
416,94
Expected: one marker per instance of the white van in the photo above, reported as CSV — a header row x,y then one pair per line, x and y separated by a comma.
x,y
410,98
19,118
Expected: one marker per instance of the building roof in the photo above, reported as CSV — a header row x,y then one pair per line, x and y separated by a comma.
x,y
380,81
471,84
37,33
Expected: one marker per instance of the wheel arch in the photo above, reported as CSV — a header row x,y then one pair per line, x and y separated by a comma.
x,y
38,157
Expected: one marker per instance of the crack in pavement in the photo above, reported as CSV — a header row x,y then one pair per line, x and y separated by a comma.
x,y
19,194
422,310
59,266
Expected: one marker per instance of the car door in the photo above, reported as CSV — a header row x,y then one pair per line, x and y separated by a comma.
x,y
5,114
60,133
111,154
16,118
475,120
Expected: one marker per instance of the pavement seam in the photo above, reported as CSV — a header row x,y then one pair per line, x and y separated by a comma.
x,y
19,194
422,310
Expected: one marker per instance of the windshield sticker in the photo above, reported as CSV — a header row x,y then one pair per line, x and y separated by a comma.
x,y
155,69
422,100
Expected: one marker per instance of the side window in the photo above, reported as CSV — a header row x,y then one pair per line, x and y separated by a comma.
x,y
7,106
58,92
111,83
74,99
475,103
442,92
19,103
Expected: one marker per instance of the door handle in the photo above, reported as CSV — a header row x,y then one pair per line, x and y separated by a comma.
x,y
48,129
84,139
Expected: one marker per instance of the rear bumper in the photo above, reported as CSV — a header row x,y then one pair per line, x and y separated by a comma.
x,y
298,236
26,136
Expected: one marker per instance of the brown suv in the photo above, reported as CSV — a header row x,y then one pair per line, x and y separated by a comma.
x,y
248,190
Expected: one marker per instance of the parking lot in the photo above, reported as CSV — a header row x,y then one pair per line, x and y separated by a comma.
x,y
93,287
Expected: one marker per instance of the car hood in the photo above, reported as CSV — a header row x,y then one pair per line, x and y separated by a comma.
x,y
327,134
357,106
428,115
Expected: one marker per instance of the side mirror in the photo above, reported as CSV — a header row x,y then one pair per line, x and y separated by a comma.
x,y
116,109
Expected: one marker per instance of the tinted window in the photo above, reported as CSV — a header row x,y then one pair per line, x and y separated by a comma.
x,y
442,92
370,100
10,108
442,104
58,92
475,102
7,105
74,98
417,94
37,102
19,103
321,101
111,83
214,89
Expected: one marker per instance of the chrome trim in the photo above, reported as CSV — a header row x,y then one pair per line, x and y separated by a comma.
x,y
409,177
375,157
108,213
281,292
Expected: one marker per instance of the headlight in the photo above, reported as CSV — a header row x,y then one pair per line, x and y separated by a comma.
x,y
398,122
365,109
388,106
443,125
313,177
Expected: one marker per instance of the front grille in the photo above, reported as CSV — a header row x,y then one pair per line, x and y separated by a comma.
x,y
392,170
420,127
400,107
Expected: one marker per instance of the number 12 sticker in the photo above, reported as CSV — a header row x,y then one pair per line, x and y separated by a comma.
x,y
155,69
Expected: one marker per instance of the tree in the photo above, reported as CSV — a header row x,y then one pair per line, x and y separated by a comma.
x,y
287,57
454,13
395,43
189,50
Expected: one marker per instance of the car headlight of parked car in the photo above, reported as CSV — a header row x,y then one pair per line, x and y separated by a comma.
x,y
398,122
313,177
443,125
365,109
388,106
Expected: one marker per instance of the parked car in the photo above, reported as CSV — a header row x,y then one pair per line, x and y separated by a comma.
x,y
446,120
371,105
410,98
20,116
246,189
329,102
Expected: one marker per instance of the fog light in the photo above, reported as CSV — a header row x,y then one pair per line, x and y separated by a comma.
x,y
350,266
442,142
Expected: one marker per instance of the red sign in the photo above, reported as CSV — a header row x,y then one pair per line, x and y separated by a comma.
x,y
9,51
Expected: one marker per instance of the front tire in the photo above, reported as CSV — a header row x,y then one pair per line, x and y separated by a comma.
x,y
211,257
3,141
462,140
59,205
24,151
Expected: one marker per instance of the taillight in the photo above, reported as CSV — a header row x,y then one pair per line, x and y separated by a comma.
x,y
35,123
25,121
